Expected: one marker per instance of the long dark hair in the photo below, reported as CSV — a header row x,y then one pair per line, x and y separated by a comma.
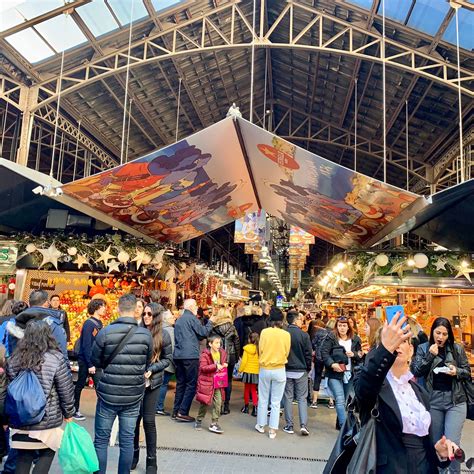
x,y
446,324
314,327
38,339
156,328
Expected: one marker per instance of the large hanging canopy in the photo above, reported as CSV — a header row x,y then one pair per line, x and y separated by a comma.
x,y
233,167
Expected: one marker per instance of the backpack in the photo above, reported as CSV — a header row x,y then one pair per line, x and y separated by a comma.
x,y
25,403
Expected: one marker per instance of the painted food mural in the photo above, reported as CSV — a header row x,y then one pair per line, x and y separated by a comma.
x,y
323,198
179,192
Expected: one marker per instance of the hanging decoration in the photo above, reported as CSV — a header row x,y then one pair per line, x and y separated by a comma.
x,y
141,258
354,269
81,260
440,264
113,266
54,249
464,271
421,260
50,255
123,257
105,256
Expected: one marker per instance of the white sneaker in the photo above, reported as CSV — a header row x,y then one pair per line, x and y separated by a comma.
x,y
259,428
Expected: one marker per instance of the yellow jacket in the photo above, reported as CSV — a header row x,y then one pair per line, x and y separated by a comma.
x,y
249,363
274,347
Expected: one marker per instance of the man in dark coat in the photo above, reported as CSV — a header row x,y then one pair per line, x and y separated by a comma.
x,y
39,309
297,369
122,384
188,331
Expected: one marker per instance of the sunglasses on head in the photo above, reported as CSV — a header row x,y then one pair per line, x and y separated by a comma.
x,y
341,319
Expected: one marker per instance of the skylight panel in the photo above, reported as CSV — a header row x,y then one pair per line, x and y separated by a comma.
x,y
466,29
61,32
161,5
428,15
362,3
30,45
396,10
9,16
98,18
123,8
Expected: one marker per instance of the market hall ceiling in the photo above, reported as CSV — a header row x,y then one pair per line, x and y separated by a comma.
x,y
308,90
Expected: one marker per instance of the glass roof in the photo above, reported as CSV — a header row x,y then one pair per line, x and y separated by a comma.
x,y
60,33
427,16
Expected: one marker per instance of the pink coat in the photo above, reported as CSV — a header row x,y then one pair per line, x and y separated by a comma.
x,y
207,369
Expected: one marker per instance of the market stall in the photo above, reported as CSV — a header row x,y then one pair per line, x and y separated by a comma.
x,y
426,284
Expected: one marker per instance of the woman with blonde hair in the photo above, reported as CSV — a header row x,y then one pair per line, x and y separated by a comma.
x,y
225,329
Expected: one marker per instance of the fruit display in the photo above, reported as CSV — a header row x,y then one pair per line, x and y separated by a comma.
x,y
75,302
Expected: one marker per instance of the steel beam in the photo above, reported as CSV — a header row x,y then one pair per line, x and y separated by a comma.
x,y
325,31
358,63
320,131
429,49
66,8
48,114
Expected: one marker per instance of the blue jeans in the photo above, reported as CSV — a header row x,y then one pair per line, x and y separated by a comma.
x,y
160,404
270,382
447,419
296,389
105,415
340,391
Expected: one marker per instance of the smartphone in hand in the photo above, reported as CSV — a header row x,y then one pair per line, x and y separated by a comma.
x,y
391,311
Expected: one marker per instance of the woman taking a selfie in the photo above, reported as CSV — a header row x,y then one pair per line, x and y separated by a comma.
x,y
405,441
443,365
341,352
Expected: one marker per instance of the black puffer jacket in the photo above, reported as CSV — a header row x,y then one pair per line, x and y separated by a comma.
x,y
55,378
166,358
122,382
230,341
425,362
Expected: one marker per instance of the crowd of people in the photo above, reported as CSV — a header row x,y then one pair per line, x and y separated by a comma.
x,y
280,357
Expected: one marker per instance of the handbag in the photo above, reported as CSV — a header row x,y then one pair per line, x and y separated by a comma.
x,y
469,389
364,458
220,379
345,445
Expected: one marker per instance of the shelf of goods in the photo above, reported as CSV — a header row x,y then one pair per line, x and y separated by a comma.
x,y
76,289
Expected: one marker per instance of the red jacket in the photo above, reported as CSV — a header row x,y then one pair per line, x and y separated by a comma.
x,y
207,369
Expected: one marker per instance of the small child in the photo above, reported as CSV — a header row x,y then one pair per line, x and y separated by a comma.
x,y
211,360
250,367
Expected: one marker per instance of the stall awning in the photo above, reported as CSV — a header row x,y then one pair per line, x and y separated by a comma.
x,y
227,170
449,219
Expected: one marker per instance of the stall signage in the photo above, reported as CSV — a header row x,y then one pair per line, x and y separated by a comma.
x,y
8,258
8,255
42,284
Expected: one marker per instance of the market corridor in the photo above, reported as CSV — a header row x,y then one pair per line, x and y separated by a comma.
x,y
182,450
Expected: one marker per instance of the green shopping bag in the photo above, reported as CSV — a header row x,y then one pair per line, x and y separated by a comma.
x,y
77,453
